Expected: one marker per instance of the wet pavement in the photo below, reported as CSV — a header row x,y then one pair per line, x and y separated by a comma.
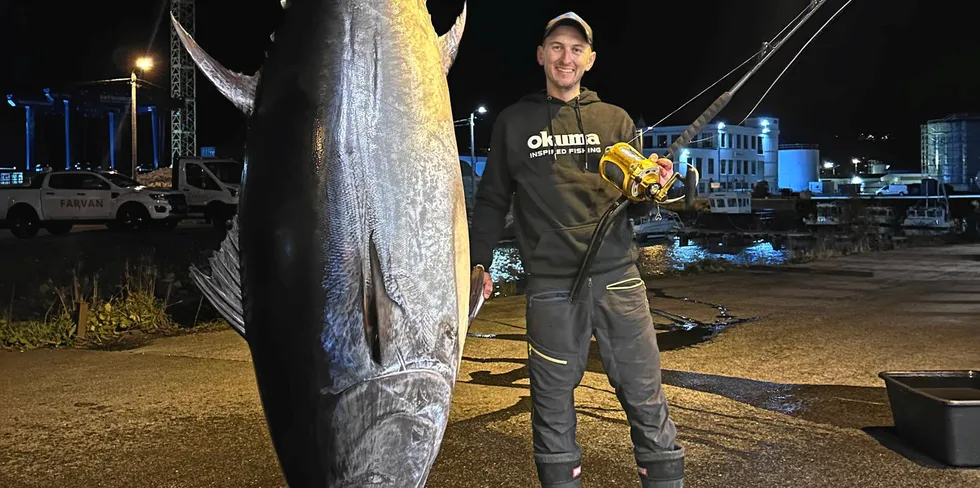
x,y
771,374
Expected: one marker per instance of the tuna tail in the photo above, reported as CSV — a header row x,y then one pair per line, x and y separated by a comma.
x,y
238,88
449,42
224,287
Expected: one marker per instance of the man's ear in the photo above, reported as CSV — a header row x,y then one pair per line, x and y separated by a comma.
x,y
591,61
541,55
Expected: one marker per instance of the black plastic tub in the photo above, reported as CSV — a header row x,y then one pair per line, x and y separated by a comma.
x,y
938,412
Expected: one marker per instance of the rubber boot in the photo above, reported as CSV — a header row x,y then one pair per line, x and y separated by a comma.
x,y
663,470
560,475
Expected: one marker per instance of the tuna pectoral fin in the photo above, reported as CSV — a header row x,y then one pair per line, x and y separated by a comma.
x,y
239,89
377,306
224,287
449,42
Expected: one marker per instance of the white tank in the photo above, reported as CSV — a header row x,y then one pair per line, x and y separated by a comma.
x,y
798,166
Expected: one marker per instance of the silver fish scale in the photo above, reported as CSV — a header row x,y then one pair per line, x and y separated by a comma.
x,y
399,188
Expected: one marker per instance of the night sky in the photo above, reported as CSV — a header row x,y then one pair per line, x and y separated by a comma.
x,y
882,67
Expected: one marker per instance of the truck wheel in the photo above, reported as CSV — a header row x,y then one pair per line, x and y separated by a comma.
x,y
59,228
23,222
217,214
132,217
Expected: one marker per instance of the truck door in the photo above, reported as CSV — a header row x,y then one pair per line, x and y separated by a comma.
x,y
75,196
201,188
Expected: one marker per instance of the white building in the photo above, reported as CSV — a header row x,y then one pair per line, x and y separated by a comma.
x,y
728,157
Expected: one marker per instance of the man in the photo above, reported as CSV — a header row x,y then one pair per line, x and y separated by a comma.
x,y
544,153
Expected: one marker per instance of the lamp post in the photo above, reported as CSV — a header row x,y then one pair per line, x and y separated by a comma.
x,y
856,162
142,64
480,110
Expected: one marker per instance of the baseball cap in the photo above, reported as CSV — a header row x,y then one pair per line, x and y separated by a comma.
x,y
572,19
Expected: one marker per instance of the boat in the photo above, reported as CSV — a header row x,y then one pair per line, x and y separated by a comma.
x,y
660,224
881,218
829,215
927,221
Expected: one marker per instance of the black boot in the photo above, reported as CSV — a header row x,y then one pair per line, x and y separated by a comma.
x,y
663,470
560,475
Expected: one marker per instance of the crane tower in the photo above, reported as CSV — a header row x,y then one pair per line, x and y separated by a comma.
x,y
183,90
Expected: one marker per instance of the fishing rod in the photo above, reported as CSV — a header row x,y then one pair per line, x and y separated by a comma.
x,y
623,152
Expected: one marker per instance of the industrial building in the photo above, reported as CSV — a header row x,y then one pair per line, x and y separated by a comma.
x,y
798,165
951,150
728,157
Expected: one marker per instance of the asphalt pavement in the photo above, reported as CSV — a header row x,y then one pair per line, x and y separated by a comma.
x,y
788,397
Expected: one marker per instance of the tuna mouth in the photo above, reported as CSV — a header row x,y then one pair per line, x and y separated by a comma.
x,y
385,431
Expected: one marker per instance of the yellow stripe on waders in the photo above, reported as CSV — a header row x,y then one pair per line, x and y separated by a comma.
x,y
545,356
622,285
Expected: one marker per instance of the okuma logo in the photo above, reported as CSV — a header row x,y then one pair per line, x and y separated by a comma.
x,y
543,139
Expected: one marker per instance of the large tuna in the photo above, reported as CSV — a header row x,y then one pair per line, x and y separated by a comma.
x,y
347,270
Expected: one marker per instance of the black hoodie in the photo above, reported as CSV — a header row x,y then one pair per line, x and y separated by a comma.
x,y
545,152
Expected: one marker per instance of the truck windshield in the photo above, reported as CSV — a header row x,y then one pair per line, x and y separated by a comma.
x,y
121,181
226,171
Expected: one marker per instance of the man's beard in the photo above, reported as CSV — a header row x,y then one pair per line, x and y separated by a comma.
x,y
563,86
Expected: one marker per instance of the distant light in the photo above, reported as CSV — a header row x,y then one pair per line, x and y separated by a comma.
x,y
686,153
481,110
855,161
47,94
828,165
765,123
721,126
765,130
857,180
144,63
10,100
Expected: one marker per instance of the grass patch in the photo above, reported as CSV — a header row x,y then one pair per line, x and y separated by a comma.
x,y
135,305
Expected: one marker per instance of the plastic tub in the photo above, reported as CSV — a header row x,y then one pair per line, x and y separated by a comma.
x,y
938,412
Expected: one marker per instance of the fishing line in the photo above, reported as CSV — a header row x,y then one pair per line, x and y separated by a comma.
x,y
750,58
794,60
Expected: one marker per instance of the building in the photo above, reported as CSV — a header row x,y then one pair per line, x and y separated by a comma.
x,y
728,157
799,164
950,150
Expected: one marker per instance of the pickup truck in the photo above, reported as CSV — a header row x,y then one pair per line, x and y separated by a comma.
x,y
210,186
59,200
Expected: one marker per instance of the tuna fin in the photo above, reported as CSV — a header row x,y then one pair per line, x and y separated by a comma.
x,y
224,287
449,42
238,88
377,304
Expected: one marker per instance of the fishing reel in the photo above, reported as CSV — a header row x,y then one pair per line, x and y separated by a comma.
x,y
637,177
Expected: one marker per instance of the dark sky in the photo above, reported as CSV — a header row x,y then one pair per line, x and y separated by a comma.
x,y
883,66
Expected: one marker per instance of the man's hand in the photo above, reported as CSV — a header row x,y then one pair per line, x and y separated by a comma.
x,y
487,283
666,167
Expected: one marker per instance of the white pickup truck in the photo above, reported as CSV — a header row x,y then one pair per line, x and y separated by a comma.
x,y
59,200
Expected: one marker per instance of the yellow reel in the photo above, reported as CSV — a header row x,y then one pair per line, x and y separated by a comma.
x,y
634,175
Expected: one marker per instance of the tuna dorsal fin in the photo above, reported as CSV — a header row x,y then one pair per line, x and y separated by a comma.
x,y
449,42
238,88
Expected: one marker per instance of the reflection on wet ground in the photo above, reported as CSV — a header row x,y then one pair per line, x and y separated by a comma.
x,y
662,256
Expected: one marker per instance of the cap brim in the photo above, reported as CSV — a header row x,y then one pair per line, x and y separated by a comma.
x,y
571,23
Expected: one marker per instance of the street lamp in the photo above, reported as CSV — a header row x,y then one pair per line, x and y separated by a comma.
x,y
479,110
143,64
856,162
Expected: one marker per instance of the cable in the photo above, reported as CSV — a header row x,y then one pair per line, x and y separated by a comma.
x,y
794,60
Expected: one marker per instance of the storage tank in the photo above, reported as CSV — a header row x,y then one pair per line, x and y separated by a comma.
x,y
799,164
948,148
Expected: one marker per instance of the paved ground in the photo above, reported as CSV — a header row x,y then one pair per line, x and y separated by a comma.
x,y
790,399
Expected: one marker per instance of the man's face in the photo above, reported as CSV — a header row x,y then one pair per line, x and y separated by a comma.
x,y
566,56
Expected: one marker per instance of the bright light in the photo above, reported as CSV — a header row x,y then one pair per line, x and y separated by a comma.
x,y
765,130
765,123
857,180
721,126
686,153
855,161
828,165
144,63
481,110
10,100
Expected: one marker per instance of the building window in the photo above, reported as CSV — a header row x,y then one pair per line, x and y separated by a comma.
x,y
760,145
708,140
711,166
662,141
698,164
753,167
753,143
730,169
738,167
728,140
738,141
724,168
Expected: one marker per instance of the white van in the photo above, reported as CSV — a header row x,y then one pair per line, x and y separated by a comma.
x,y
900,190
